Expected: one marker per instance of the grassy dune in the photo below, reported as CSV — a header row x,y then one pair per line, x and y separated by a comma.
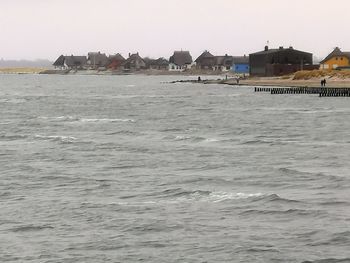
x,y
21,70
318,74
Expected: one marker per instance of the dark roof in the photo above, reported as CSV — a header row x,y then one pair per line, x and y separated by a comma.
x,y
223,60
276,50
117,57
206,54
162,62
336,52
156,62
97,58
181,58
133,59
59,61
72,61
240,59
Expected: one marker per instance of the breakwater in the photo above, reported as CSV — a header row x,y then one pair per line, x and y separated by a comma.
x,y
321,91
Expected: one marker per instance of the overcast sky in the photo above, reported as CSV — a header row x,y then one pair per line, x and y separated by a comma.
x,y
32,29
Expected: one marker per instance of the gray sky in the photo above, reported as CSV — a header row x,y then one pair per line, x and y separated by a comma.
x,y
32,29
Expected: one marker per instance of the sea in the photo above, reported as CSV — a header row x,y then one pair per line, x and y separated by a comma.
x,y
137,169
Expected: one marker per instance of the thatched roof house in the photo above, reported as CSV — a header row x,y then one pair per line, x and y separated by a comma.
x,y
223,63
180,60
70,62
205,61
115,61
134,62
157,64
97,60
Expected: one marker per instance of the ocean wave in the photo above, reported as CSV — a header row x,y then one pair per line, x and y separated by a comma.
x,y
63,139
304,110
182,138
30,228
329,260
12,137
335,203
294,212
179,194
191,138
313,176
258,141
278,199
106,120
59,118
13,101
84,120
341,239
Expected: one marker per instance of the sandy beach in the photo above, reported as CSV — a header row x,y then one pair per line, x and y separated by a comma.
x,y
281,82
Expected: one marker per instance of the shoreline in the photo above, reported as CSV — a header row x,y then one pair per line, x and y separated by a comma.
x,y
272,82
284,81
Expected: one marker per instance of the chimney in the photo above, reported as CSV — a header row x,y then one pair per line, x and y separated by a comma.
x,y
281,47
266,48
290,47
129,55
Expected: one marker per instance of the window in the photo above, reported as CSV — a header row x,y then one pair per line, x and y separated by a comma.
x,y
336,58
341,58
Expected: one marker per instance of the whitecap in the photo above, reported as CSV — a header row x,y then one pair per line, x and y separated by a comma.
x,y
211,140
182,138
56,138
223,196
59,118
106,120
214,197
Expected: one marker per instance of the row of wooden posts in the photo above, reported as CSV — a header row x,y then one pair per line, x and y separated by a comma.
x,y
323,92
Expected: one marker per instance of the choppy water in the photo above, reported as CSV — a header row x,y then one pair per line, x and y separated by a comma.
x,y
129,169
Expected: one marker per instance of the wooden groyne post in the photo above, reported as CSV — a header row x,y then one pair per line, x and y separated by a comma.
x,y
335,92
322,91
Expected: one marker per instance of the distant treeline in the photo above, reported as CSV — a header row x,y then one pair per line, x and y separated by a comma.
x,y
40,63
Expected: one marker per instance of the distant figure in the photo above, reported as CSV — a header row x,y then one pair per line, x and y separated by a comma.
x,y
226,77
199,79
324,82
237,80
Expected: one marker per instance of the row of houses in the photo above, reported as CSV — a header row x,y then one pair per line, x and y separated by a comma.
x,y
268,62
179,61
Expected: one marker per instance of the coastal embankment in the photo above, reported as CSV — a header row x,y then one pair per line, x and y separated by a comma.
x,y
334,79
